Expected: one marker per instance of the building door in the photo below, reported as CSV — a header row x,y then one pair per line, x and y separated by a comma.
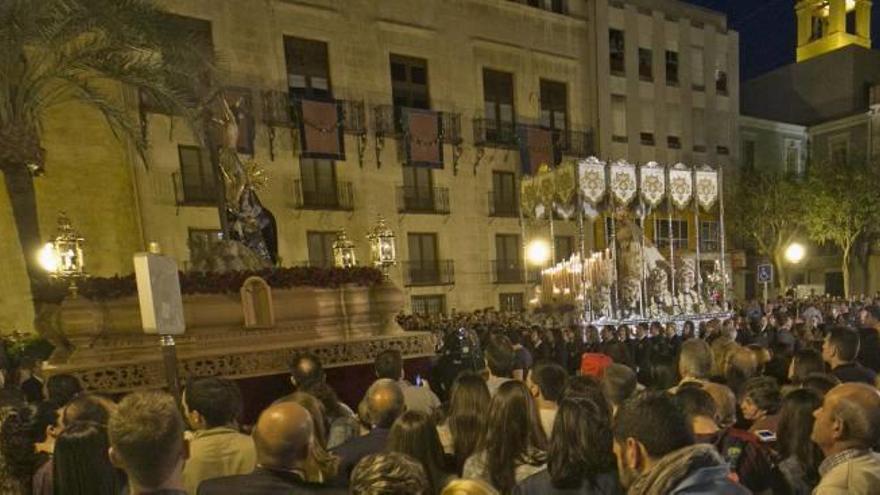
x,y
834,283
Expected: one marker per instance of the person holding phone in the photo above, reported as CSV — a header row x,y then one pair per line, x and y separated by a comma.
x,y
417,396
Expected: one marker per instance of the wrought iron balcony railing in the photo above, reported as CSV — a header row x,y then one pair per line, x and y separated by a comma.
x,y
488,132
339,197
502,205
428,272
431,200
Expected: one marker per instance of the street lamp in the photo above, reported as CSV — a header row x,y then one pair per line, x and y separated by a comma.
x,y
62,257
795,253
343,251
382,249
538,252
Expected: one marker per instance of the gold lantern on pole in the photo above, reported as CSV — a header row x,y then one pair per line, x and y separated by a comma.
x,y
62,257
382,249
343,251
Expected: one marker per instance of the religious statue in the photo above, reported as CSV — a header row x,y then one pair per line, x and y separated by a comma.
x,y
660,299
688,299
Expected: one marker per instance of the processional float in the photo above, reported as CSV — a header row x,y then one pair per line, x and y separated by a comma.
x,y
632,280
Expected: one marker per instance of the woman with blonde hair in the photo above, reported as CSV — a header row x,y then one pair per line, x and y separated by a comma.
x,y
468,487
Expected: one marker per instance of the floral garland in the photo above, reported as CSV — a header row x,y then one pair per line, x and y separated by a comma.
x,y
108,288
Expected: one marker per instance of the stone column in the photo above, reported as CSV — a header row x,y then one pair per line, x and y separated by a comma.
x,y
837,17
863,19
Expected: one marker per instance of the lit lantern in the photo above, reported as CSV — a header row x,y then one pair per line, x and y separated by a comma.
x,y
382,249
62,257
343,251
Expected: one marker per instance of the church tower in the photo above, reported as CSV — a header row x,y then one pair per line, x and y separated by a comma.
x,y
826,25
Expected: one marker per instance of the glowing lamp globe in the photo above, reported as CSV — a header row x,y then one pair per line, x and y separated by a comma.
x,y
795,253
538,252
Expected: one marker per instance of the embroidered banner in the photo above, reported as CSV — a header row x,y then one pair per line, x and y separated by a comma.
x,y
681,186
321,129
536,148
653,183
424,138
566,186
591,179
623,181
707,187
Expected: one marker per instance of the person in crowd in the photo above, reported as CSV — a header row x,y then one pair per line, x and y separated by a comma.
x,y
869,337
466,419
61,388
321,465
27,441
282,437
216,449
87,407
821,383
419,397
81,465
523,359
839,350
803,363
618,384
694,361
722,348
762,357
499,360
31,380
799,456
747,458
514,445
846,429
468,487
740,367
760,403
384,403
307,375
663,460
415,434
546,382
389,473
580,460
146,441
661,374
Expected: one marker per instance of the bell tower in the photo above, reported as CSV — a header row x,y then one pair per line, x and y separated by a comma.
x,y
826,25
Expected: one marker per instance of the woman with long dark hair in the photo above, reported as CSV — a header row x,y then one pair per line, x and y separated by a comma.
x,y
800,456
580,461
466,420
321,465
81,463
514,445
414,433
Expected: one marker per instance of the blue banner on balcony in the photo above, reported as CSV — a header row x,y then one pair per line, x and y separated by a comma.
x,y
424,138
321,129
535,148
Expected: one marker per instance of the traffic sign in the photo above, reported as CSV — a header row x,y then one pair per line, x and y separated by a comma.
x,y
765,273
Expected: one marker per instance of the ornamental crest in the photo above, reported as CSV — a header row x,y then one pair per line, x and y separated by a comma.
x,y
591,173
565,183
707,187
653,183
681,187
623,181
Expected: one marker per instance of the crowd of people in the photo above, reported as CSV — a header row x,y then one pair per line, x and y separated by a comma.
x,y
777,399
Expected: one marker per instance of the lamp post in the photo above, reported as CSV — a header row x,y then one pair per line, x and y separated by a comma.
x,y
382,249
62,257
795,253
343,251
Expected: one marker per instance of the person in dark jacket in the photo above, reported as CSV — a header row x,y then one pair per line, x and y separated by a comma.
x,y
839,350
579,457
665,460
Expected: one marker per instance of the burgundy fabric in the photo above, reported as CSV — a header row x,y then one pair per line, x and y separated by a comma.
x,y
320,128
537,146
425,147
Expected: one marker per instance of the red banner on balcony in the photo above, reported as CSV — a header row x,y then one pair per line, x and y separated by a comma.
x,y
536,148
424,142
321,132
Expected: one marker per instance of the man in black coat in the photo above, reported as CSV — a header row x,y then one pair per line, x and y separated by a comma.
x,y
281,436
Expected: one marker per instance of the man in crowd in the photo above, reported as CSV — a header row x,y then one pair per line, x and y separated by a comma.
x,y
61,388
869,337
847,428
419,397
499,359
618,384
546,382
146,441
384,403
695,361
655,451
386,473
282,437
307,375
839,350
212,406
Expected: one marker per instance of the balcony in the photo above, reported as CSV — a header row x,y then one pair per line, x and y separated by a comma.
x,y
203,195
338,198
426,200
507,272
502,205
576,144
428,272
494,133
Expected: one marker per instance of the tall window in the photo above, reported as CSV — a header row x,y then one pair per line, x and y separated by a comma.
x,y
511,302
498,105
709,239
618,119
792,156
320,245
698,77
418,188
318,182
429,305
671,68
554,111
508,259
748,154
308,70
646,70
409,82
423,262
646,135
504,193
197,180
616,46
563,247
699,126
721,74
679,234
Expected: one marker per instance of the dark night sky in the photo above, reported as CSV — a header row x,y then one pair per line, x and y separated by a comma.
x,y
767,31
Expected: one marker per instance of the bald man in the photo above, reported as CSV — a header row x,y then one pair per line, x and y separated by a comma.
x,y
847,428
384,403
282,438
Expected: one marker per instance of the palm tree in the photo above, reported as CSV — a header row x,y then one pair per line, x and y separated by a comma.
x,y
54,52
